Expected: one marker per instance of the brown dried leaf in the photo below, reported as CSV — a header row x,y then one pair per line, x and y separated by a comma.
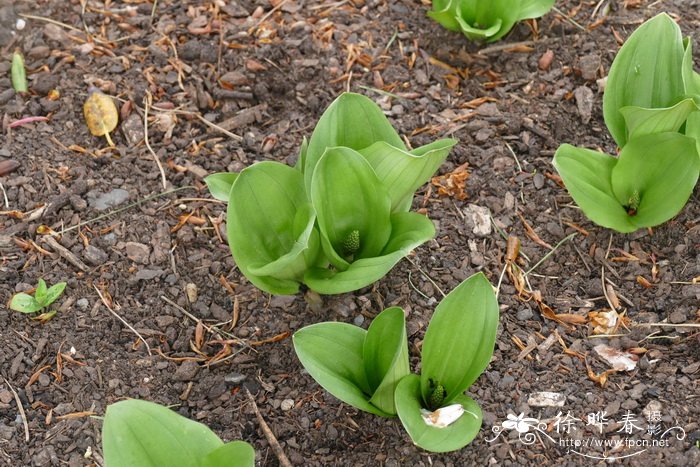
x,y
530,232
453,183
101,115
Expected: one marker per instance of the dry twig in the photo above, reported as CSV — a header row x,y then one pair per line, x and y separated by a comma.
x,y
274,444
104,301
21,410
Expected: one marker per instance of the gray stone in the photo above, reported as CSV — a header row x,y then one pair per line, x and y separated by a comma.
x,y
187,371
147,274
524,314
137,252
94,255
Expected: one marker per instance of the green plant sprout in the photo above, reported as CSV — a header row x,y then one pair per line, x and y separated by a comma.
x,y
370,371
42,298
651,109
486,20
146,434
339,219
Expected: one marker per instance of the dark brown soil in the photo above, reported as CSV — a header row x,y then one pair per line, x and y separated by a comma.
x,y
266,73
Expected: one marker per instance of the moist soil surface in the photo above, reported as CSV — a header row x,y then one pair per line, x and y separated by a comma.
x,y
146,246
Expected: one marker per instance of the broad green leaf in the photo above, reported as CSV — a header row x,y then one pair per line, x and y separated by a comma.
x,y
460,338
534,8
353,121
149,435
402,172
40,293
691,79
220,184
640,121
658,173
24,303
645,73
445,13
408,231
54,292
586,174
233,454
348,196
385,353
455,436
270,226
332,353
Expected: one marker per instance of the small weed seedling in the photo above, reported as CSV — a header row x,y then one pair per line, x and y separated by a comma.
x,y
651,109
145,434
370,371
486,20
339,220
42,298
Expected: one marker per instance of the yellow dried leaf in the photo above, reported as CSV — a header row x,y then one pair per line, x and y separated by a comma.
x,y
101,114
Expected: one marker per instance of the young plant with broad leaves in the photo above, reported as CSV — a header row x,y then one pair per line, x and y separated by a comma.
x,y
42,298
486,20
145,434
339,220
651,109
370,370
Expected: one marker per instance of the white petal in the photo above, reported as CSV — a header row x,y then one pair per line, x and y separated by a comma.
x,y
442,417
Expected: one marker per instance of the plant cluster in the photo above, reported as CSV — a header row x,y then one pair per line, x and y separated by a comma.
x,y
486,20
42,298
370,369
339,219
651,109
145,434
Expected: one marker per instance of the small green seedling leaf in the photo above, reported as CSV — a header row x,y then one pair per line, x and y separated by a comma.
x,y
40,293
24,303
220,184
18,73
53,293
646,73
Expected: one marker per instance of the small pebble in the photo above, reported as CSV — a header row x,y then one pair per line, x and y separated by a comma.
x,y
287,405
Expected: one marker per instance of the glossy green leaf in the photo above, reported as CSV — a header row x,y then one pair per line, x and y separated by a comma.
x,y
24,303
233,454
40,293
408,231
385,354
271,227
534,8
144,434
587,176
348,196
444,12
659,173
489,20
220,184
54,292
691,79
460,338
645,73
640,121
455,436
352,121
402,172
332,353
